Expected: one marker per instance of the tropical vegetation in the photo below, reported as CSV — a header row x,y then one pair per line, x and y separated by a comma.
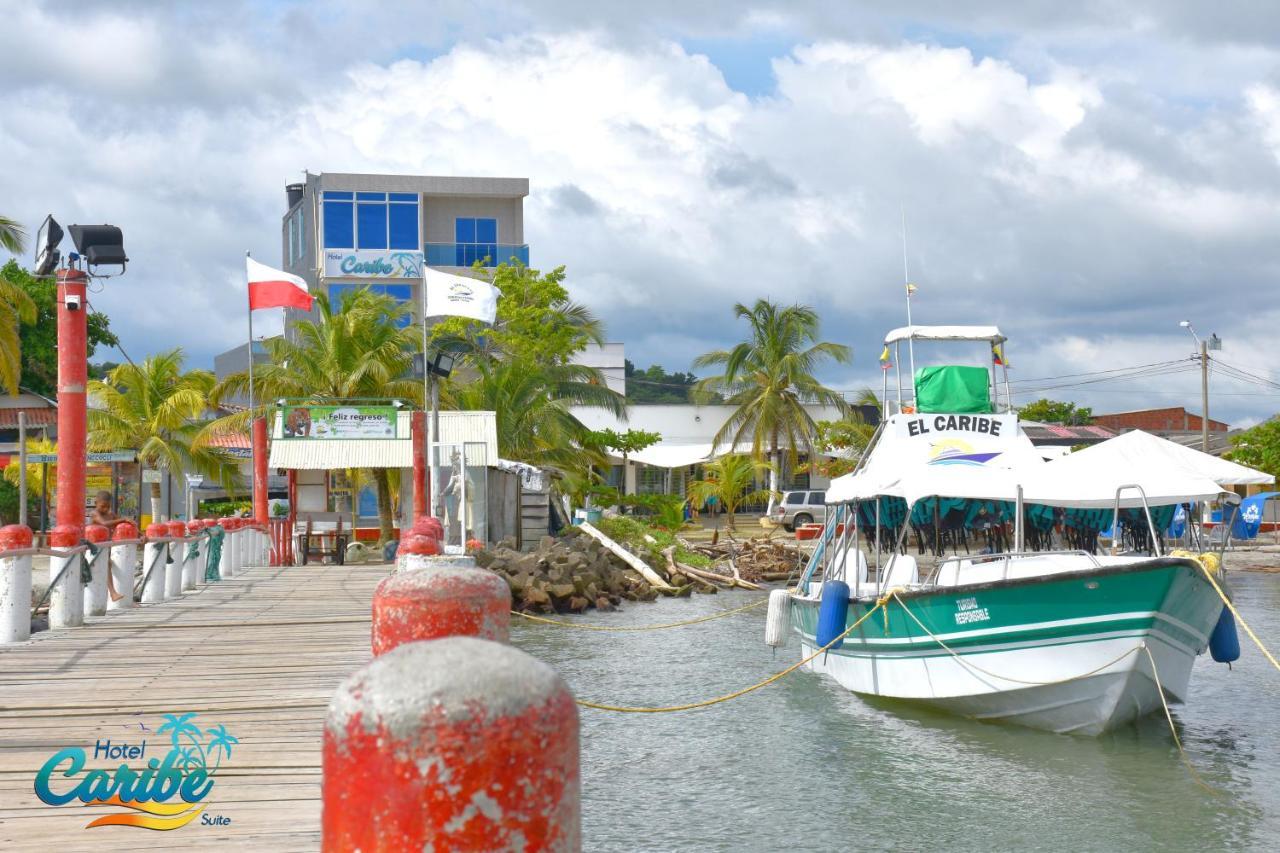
x,y
16,309
769,377
656,385
1258,447
1055,412
157,409
730,482
13,238
521,368
355,349
37,348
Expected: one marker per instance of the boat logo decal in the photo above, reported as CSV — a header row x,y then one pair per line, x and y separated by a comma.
x,y
967,611
954,451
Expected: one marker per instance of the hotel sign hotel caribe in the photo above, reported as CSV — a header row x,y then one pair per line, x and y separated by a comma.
x,y
372,263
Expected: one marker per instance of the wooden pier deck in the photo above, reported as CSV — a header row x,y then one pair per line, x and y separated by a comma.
x,y
260,653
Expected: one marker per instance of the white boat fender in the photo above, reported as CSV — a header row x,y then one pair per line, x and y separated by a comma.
x,y
778,618
833,613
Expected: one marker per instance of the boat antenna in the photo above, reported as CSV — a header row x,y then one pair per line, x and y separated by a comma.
x,y
909,287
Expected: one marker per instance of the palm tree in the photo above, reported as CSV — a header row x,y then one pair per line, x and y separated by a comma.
x,y
221,741
533,403
155,408
355,350
731,481
769,378
16,306
13,238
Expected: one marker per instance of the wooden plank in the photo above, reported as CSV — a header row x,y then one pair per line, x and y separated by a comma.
x,y
261,653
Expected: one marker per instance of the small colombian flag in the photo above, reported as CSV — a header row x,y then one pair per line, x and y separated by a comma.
x,y
911,288
997,357
885,361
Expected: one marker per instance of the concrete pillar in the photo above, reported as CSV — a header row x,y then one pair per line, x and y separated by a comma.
x,y
15,585
95,593
66,597
178,557
440,601
193,568
124,560
153,563
457,744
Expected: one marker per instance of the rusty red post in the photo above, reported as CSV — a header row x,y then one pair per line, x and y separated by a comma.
x,y
73,375
260,470
440,601
418,431
457,744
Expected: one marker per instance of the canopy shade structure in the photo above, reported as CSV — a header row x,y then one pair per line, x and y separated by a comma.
x,y
945,333
675,455
1138,450
986,457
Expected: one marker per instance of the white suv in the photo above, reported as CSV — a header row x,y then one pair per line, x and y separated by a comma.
x,y
798,508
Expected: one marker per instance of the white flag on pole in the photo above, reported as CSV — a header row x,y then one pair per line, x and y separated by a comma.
x,y
458,296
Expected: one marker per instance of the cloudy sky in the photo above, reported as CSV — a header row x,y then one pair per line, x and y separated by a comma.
x,y
1085,179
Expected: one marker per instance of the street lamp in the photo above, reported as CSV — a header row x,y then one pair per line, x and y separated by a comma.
x,y
1203,346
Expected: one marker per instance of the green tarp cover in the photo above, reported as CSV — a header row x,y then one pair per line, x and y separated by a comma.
x,y
963,390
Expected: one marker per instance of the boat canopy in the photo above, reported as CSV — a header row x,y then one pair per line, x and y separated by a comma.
x,y
1142,450
987,457
945,333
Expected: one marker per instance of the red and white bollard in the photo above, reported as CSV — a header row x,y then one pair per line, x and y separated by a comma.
x,y
95,592
192,568
457,744
442,601
228,567
15,585
177,558
153,564
124,560
66,597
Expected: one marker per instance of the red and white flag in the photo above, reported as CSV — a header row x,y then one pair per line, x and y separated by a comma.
x,y
273,288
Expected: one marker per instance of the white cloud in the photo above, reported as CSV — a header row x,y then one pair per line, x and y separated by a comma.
x,y
1048,199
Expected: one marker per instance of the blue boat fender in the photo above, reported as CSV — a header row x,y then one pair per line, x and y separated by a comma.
x,y
1224,643
833,613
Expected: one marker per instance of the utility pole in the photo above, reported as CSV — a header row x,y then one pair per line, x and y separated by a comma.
x,y
1204,395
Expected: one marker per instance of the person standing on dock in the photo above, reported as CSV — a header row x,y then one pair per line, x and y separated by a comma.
x,y
103,514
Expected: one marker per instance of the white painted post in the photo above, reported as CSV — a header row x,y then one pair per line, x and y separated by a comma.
x,y
192,568
174,570
15,585
153,558
95,594
66,596
228,568
124,559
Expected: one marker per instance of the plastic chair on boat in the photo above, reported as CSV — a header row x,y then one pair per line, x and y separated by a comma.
x,y
901,571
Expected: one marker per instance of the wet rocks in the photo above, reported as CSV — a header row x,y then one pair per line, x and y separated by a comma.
x,y
567,574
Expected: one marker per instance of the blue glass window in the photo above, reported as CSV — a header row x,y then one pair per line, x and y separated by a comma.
x,y
403,222
413,197
371,220
399,292
330,195
476,241
371,196
339,225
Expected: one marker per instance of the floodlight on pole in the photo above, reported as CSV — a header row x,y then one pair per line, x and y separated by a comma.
x,y
47,240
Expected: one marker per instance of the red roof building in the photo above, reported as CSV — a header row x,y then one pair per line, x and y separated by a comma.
x,y
1172,419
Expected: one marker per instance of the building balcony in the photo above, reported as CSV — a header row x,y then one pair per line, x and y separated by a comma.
x,y
466,254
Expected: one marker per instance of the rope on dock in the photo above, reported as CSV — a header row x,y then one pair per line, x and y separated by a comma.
x,y
1208,573
717,700
584,627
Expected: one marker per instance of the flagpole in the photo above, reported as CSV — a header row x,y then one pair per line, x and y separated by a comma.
x,y
253,451
906,283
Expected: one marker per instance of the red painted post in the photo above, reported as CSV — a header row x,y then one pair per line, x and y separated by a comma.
x,y
457,744
260,470
73,374
418,431
444,601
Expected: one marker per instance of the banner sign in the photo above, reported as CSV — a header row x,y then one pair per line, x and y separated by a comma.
x,y
52,458
372,263
327,422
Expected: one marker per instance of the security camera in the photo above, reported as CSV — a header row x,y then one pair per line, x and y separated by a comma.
x,y
73,302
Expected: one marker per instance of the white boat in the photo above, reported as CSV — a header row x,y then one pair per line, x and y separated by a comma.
x,y
1043,628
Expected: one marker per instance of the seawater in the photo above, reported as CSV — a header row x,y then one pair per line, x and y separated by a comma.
x,y
804,765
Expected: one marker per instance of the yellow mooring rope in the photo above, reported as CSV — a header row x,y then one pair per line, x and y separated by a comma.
x,y
777,675
582,627
1208,573
1182,753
